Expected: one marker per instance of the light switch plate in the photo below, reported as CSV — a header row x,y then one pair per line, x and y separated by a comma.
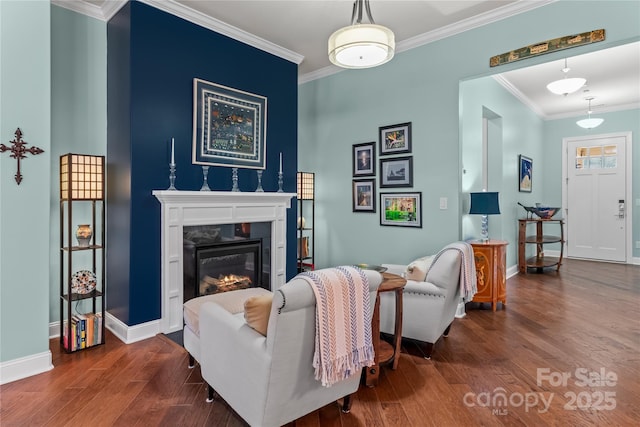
x,y
443,203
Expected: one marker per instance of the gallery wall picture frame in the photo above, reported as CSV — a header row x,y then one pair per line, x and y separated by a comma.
x,y
364,195
396,172
364,159
395,139
401,209
525,174
229,126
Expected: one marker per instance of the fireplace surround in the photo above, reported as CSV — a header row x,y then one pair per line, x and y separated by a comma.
x,y
180,209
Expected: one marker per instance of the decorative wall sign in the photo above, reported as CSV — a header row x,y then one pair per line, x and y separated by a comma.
x,y
18,152
525,174
402,209
229,126
548,46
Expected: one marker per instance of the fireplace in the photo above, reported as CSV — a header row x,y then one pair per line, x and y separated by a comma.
x,y
226,257
223,210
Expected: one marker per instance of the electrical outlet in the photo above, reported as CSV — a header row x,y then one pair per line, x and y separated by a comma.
x,y
443,203
637,202
637,244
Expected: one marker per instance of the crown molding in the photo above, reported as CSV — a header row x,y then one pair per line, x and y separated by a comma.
x,y
318,74
595,111
579,113
519,95
81,7
199,18
111,7
480,20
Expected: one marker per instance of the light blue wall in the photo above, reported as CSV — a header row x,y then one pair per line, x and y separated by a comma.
x,y
78,112
620,121
520,131
24,209
422,86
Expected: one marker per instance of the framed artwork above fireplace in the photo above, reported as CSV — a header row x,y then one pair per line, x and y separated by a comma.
x,y
229,126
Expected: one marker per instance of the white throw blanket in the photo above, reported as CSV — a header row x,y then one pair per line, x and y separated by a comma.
x,y
468,279
343,329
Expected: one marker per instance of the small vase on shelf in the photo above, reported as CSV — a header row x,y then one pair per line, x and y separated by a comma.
x,y
84,234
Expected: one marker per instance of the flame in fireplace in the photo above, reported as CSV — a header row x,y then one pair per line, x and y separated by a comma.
x,y
224,283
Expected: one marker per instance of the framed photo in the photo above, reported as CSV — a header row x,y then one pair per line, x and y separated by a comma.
x,y
364,195
364,159
395,139
396,172
524,174
401,209
229,126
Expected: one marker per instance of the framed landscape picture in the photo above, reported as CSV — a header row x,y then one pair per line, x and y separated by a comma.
x,y
395,139
401,209
364,195
364,159
396,172
229,126
525,174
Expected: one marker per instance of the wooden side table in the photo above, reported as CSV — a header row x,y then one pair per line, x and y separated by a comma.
x,y
491,258
385,352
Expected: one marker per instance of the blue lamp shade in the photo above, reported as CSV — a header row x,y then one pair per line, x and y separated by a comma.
x,y
485,203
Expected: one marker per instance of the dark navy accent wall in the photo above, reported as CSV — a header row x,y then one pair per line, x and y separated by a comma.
x,y
118,165
166,53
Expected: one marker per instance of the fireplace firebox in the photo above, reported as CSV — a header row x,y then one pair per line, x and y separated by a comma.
x,y
225,258
224,267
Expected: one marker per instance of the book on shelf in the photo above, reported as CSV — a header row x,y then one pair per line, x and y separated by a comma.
x,y
86,331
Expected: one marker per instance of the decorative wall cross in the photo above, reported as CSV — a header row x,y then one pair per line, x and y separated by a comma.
x,y
18,151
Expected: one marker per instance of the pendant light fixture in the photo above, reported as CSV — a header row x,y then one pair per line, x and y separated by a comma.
x,y
361,45
590,122
566,86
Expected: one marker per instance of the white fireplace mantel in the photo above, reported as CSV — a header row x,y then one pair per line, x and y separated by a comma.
x,y
185,208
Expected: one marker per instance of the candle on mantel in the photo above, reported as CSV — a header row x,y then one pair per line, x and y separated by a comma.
x,y
173,160
281,162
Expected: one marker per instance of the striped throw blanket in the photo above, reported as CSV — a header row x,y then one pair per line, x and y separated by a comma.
x,y
343,328
468,280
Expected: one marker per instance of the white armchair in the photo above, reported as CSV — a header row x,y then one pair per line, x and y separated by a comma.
x,y
430,305
269,380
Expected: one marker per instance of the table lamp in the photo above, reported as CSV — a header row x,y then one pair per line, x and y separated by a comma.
x,y
484,203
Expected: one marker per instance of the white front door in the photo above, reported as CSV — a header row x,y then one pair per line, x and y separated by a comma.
x,y
596,198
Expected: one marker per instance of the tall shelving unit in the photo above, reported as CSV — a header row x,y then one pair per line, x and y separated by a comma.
x,y
305,232
82,265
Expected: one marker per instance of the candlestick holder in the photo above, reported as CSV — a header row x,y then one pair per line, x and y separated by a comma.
x,y
205,174
234,179
280,183
259,189
172,176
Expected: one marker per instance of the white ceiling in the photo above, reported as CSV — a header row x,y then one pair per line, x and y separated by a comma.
x,y
298,30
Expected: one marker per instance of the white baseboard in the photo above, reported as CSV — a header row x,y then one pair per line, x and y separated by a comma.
x,y
24,367
130,334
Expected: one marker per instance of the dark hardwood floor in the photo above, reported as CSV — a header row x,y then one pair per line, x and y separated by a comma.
x,y
580,323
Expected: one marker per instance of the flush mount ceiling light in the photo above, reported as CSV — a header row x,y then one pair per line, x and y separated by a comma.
x,y
590,123
566,86
361,45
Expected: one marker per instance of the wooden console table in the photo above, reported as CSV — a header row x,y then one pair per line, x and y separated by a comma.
x,y
385,352
491,258
540,260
